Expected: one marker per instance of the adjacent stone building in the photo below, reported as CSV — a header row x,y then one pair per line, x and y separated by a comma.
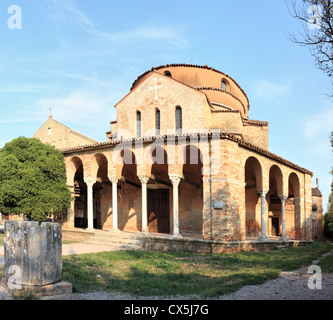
x,y
60,136
184,158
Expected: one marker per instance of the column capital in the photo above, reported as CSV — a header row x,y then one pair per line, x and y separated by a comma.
x,y
143,179
263,192
175,179
113,179
283,197
89,181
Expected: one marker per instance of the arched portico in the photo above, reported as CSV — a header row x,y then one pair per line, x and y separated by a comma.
x,y
191,192
129,192
253,191
277,200
102,190
158,193
293,207
75,174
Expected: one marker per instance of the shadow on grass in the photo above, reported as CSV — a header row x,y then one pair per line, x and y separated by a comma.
x,y
145,283
147,273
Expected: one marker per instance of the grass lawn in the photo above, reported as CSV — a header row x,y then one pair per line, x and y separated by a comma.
x,y
163,274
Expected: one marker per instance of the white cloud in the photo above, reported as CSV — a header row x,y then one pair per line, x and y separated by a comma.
x,y
319,124
82,106
67,14
22,88
273,92
91,80
16,121
316,129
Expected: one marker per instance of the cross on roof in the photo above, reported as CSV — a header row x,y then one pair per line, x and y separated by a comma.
x,y
155,88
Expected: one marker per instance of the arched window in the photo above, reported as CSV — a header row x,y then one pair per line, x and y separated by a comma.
x,y
223,86
179,120
138,124
158,121
168,74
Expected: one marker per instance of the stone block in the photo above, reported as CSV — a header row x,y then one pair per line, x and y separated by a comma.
x,y
33,253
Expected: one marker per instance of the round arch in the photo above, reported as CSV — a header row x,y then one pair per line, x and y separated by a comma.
x,y
191,192
129,192
99,166
72,166
293,186
274,199
156,156
121,158
293,208
80,192
253,184
275,180
253,173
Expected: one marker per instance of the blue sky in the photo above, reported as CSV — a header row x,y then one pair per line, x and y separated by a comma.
x,y
80,57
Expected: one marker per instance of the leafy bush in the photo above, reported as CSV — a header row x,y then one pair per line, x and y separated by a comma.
x,y
32,179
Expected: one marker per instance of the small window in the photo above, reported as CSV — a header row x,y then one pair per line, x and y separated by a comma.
x,y
168,74
158,122
138,124
49,131
179,120
223,86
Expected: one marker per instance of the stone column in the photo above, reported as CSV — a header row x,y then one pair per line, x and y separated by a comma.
x,y
90,201
114,181
175,183
144,181
297,212
263,194
283,211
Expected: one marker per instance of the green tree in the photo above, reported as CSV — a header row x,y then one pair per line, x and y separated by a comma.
x,y
32,179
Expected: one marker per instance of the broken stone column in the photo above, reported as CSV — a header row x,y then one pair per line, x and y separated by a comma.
x,y
33,253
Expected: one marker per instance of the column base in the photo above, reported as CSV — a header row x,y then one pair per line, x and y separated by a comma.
x,y
263,238
177,236
285,239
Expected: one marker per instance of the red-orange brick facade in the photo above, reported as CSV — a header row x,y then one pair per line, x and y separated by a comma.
x,y
183,158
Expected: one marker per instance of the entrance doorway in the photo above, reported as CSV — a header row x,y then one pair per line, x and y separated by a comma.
x,y
158,211
275,226
97,206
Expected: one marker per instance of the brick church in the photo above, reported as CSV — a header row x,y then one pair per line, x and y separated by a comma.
x,y
184,159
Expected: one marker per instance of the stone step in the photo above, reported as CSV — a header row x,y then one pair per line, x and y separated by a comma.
x,y
115,239
280,247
